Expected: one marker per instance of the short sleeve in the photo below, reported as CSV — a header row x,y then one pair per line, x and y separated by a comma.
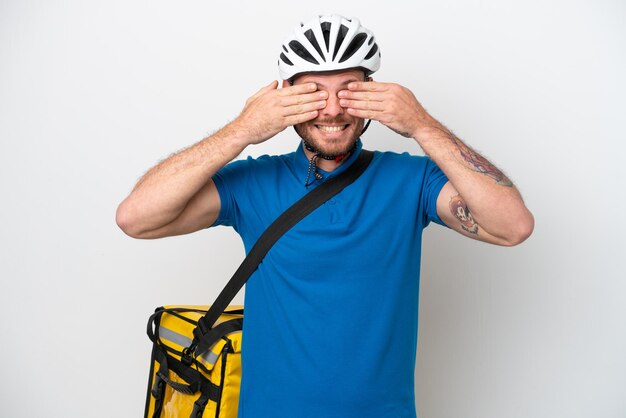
x,y
434,180
229,181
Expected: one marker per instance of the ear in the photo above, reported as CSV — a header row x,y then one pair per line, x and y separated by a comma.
x,y
286,83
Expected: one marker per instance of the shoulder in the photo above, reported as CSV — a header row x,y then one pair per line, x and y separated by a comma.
x,y
415,172
400,157
401,161
256,164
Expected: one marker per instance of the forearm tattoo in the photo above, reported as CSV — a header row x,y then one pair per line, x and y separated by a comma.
x,y
459,209
479,163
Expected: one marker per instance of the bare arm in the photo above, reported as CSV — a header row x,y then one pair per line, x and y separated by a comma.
x,y
479,201
178,196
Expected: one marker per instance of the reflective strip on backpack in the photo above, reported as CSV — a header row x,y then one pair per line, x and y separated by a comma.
x,y
209,357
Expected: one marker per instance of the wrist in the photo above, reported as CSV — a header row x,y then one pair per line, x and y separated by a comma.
x,y
435,140
237,137
430,131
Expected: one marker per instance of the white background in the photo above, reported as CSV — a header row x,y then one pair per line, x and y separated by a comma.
x,y
92,94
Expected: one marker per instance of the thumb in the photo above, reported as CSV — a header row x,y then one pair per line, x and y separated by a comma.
x,y
271,86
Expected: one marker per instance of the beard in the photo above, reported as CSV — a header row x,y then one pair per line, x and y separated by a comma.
x,y
331,147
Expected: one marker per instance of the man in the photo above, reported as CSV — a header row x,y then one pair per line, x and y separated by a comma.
x,y
331,313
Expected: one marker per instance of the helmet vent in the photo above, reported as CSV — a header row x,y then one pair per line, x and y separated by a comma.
x,y
341,35
285,59
354,46
326,32
372,52
302,52
311,37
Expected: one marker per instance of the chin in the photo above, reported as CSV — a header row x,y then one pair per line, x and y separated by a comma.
x,y
330,143
332,147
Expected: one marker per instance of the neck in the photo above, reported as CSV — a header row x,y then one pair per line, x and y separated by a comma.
x,y
326,165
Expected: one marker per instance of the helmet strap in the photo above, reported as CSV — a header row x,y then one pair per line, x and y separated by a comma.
x,y
367,125
312,170
317,155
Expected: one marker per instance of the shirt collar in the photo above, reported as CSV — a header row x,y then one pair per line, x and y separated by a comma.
x,y
301,165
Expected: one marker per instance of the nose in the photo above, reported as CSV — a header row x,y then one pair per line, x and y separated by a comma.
x,y
333,108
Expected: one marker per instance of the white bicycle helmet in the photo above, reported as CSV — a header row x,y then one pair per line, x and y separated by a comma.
x,y
328,43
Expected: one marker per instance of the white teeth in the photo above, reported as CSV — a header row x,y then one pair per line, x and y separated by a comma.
x,y
330,128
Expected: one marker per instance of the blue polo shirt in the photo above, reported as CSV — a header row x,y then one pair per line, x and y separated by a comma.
x,y
331,313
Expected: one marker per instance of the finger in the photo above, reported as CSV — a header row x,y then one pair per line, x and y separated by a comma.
x,y
362,104
271,86
297,89
303,98
300,118
363,95
304,108
366,114
367,86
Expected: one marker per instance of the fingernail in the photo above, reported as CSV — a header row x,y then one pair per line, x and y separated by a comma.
x,y
342,93
323,94
351,85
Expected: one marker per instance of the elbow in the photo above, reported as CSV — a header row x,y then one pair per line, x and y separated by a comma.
x,y
126,222
521,229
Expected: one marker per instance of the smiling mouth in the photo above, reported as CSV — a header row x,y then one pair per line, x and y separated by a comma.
x,y
325,128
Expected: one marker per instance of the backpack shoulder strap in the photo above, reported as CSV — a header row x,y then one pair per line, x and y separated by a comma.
x,y
282,224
